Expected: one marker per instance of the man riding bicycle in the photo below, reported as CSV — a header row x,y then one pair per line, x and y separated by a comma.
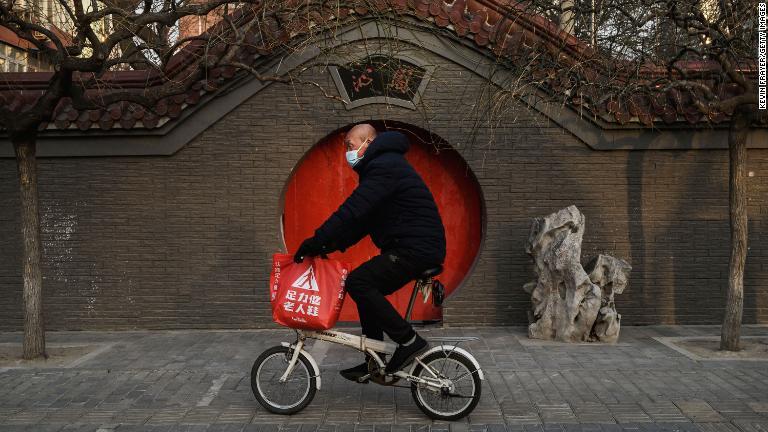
x,y
393,205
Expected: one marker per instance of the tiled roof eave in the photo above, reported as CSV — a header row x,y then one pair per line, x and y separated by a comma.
x,y
481,22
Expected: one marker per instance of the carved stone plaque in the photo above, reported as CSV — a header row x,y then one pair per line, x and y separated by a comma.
x,y
380,79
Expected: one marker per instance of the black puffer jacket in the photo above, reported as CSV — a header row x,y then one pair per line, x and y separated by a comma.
x,y
391,203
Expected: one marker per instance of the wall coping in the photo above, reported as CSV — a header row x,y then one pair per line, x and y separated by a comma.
x,y
174,135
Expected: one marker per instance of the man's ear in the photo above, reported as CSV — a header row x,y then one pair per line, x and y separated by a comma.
x,y
366,143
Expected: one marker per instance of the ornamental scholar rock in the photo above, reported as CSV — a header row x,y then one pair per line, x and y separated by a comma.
x,y
612,276
571,304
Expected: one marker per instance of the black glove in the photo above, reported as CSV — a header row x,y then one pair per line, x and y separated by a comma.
x,y
309,247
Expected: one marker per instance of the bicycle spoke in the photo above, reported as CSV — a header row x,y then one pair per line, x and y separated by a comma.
x,y
458,378
460,396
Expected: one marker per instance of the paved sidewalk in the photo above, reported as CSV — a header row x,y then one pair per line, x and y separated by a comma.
x,y
199,381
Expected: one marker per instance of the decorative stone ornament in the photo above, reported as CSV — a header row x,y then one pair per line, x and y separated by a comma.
x,y
572,304
383,79
612,276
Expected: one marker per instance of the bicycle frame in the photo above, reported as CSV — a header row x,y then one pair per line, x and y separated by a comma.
x,y
370,346
373,347
360,343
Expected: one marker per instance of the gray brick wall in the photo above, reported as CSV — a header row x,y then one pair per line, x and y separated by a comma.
x,y
185,241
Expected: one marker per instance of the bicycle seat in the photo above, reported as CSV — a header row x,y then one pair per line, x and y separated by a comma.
x,y
431,272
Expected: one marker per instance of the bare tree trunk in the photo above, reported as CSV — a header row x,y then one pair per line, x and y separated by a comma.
x,y
567,22
34,333
737,200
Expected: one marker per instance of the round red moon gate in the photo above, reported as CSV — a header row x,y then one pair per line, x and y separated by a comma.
x,y
323,180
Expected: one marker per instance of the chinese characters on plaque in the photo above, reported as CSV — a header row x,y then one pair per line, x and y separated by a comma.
x,y
381,76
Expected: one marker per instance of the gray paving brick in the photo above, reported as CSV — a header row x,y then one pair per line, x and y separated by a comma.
x,y
230,427
156,381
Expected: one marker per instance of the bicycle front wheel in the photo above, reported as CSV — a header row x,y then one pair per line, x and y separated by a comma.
x,y
286,397
451,402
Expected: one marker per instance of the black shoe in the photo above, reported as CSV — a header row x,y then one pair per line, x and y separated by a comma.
x,y
355,373
404,354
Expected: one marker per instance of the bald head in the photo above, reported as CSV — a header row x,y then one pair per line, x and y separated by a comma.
x,y
359,137
363,131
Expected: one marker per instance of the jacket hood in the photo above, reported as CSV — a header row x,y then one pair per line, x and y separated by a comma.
x,y
385,142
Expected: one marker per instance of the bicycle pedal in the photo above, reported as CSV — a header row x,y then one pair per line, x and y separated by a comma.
x,y
364,379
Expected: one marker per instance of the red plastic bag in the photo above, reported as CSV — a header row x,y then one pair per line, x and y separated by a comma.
x,y
307,295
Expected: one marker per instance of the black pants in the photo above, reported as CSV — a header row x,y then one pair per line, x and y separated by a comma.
x,y
380,276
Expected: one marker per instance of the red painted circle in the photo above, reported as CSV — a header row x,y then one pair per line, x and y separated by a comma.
x,y
323,180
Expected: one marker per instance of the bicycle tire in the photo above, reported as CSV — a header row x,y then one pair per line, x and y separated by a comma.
x,y
458,358
303,368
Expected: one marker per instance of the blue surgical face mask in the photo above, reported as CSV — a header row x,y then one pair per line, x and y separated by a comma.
x,y
353,158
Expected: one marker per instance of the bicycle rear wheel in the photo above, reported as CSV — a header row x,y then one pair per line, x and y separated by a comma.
x,y
287,397
448,403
